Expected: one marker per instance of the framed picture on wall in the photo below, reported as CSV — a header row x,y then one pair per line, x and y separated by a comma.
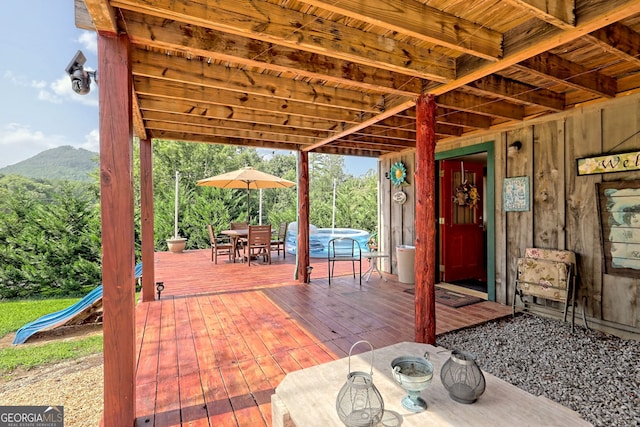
x,y
516,194
619,211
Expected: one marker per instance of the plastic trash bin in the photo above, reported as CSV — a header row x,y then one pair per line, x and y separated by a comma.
x,y
406,259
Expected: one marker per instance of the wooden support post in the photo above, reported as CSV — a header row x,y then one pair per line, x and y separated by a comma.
x,y
303,216
118,255
146,216
425,261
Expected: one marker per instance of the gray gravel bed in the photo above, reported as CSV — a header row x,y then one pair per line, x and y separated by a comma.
x,y
590,372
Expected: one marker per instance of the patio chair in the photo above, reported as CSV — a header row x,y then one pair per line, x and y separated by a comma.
x,y
258,243
547,274
344,249
279,241
220,245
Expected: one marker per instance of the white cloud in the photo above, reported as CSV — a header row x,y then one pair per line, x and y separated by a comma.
x,y
19,142
60,91
92,141
89,40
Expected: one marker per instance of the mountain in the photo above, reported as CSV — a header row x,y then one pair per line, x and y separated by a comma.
x,y
66,162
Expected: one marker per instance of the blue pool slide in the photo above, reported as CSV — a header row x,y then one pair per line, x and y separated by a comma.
x,y
60,318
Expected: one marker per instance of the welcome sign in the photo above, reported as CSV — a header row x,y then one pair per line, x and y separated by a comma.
x,y
610,163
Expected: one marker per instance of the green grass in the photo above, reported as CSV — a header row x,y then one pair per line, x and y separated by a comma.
x,y
15,314
32,356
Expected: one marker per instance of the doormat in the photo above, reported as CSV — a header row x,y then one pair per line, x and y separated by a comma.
x,y
450,298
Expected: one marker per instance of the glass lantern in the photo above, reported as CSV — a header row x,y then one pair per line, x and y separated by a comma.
x,y
359,403
462,377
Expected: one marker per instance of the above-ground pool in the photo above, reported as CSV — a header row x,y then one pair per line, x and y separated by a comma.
x,y
319,239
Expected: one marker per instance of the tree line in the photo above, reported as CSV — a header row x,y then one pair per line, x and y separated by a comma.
x,y
50,242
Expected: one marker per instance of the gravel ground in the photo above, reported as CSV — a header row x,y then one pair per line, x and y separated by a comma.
x,y
76,385
592,373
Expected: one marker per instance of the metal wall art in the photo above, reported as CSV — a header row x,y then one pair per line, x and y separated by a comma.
x,y
516,194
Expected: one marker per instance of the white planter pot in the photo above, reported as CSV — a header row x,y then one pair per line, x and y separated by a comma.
x,y
176,244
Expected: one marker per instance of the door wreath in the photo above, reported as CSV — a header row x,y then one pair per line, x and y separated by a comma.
x,y
466,195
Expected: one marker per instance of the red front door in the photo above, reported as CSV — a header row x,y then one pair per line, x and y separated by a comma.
x,y
461,223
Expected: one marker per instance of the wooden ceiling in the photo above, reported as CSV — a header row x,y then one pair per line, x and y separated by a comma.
x,y
342,76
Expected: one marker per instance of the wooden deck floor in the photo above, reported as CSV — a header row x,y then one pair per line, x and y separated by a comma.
x,y
222,337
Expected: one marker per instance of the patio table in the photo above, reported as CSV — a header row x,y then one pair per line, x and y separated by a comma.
x,y
235,237
373,263
308,397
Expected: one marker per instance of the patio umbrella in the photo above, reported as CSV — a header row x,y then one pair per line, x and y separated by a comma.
x,y
248,178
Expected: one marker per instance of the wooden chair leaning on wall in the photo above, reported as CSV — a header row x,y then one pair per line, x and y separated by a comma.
x,y
344,249
548,274
279,241
258,243
219,245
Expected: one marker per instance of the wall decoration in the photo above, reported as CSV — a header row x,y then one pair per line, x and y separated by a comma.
x,y
466,195
516,194
398,174
400,197
622,162
619,209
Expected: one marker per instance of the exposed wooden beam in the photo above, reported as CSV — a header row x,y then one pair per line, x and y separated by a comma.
x,y
559,13
183,136
463,118
559,70
233,124
458,100
271,23
179,37
421,22
103,16
200,72
388,113
512,90
200,94
138,123
216,132
523,43
618,40
239,114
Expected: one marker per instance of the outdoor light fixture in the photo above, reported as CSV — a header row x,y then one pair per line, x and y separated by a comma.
x,y
514,147
80,78
159,288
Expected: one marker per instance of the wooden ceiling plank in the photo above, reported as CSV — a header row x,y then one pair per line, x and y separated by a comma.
x,y
273,24
232,124
589,18
575,75
475,104
198,72
194,137
559,13
392,110
197,41
421,22
231,133
618,40
239,114
169,89
512,90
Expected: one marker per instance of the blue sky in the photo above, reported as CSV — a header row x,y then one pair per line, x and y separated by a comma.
x,y
38,109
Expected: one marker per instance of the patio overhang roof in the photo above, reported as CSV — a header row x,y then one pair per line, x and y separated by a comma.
x,y
342,77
